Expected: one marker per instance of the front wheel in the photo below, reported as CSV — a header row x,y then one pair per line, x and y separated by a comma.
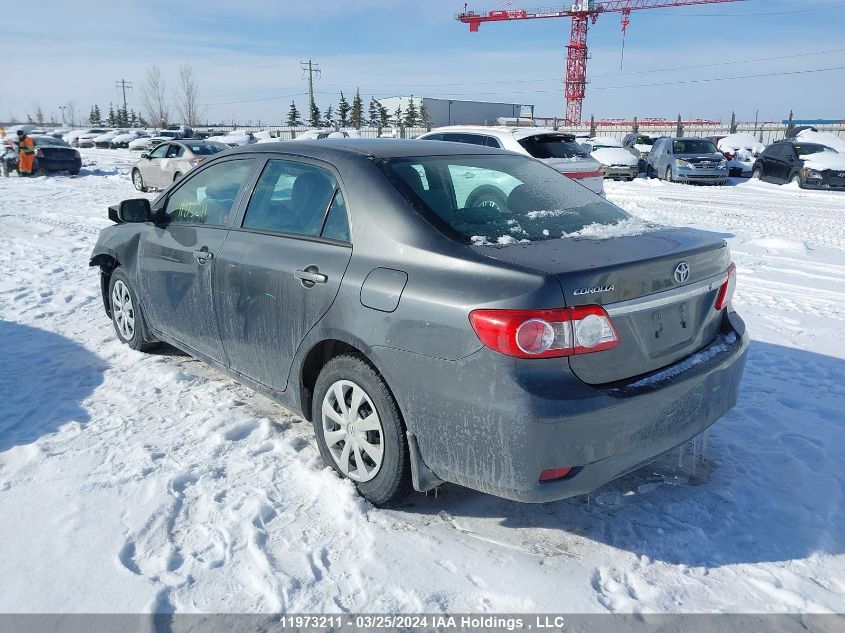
x,y
138,181
177,176
668,175
126,313
796,179
757,173
487,196
360,431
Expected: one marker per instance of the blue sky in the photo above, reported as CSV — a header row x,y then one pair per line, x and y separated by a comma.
x,y
247,53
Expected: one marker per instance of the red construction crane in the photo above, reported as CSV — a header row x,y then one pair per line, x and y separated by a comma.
x,y
582,13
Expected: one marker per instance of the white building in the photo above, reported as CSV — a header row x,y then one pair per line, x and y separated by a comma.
x,y
457,112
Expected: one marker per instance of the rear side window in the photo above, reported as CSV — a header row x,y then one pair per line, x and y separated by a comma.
x,y
175,151
552,146
290,197
208,197
471,139
498,198
337,222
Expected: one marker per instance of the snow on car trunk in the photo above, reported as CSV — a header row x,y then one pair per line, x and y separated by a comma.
x,y
168,487
615,157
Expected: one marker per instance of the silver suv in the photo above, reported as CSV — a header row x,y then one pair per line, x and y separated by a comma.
x,y
687,160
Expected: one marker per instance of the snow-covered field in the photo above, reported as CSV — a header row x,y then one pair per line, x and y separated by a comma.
x,y
132,482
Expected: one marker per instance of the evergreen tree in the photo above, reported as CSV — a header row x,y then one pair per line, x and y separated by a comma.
x,y
383,116
343,109
397,116
314,115
294,118
357,116
329,120
411,115
373,112
425,119
97,118
142,122
111,121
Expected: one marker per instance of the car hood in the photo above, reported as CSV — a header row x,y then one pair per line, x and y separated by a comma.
x,y
696,158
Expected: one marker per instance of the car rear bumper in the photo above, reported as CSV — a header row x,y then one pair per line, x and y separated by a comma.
x,y
60,165
621,172
494,423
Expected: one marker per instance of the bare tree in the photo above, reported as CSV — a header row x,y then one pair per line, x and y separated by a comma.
x,y
154,95
71,113
39,115
189,106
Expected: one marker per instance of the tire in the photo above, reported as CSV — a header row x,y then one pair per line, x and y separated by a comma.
x,y
342,378
797,178
138,181
649,172
126,313
177,176
74,172
487,196
667,176
757,173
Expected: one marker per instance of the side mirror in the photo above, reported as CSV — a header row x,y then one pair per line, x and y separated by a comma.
x,y
134,211
145,155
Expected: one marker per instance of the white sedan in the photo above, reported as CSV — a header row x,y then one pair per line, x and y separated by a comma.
x,y
617,162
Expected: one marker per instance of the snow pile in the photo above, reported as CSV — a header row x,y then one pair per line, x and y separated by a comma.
x,y
825,160
612,156
741,144
608,141
625,228
642,148
823,138
556,213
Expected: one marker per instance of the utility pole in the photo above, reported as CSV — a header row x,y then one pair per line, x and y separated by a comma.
x,y
123,84
310,67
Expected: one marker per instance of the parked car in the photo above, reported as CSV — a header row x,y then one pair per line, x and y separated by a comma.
x,y
140,144
86,137
51,155
310,135
168,162
639,145
104,140
810,165
236,138
556,149
740,150
121,141
163,136
347,280
616,162
687,160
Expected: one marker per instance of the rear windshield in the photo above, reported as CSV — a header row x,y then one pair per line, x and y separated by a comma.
x,y
502,199
805,149
694,146
552,146
49,141
206,149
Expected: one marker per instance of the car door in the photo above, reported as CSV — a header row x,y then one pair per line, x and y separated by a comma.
x,y
280,270
790,162
176,254
151,168
170,162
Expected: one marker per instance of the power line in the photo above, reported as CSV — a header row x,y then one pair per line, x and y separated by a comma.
x,y
712,79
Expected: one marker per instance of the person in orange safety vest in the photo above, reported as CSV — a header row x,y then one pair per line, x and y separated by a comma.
x,y
26,156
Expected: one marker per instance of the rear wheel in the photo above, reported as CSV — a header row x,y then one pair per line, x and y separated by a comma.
x,y
757,173
668,175
360,431
138,180
126,313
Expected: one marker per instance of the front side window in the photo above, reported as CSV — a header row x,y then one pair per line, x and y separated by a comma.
x,y
159,151
552,146
290,197
492,197
209,196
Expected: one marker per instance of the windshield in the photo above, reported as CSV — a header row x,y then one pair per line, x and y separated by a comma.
x,y
552,146
806,149
206,149
475,199
644,140
693,146
49,141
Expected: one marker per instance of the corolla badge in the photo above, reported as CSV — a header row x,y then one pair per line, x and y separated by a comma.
x,y
593,290
681,272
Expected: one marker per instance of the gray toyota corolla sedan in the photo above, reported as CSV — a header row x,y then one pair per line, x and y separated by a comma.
x,y
496,346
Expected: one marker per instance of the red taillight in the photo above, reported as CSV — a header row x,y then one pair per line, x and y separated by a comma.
x,y
545,333
554,473
726,292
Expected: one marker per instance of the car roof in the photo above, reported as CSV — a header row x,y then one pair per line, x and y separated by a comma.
x,y
500,130
376,148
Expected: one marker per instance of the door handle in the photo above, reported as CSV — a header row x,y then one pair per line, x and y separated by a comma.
x,y
309,276
203,256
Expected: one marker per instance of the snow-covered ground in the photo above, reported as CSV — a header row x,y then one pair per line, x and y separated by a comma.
x,y
132,482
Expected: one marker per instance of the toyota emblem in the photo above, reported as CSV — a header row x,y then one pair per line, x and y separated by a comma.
x,y
681,272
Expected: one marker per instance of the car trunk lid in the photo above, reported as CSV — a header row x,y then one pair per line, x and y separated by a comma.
x,y
661,317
